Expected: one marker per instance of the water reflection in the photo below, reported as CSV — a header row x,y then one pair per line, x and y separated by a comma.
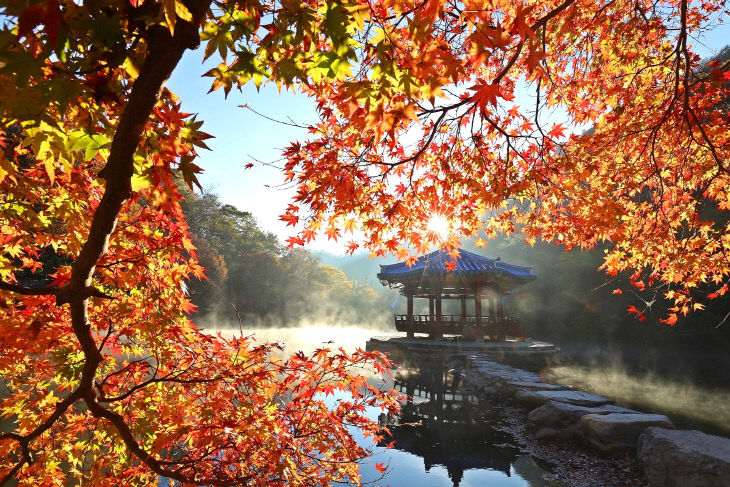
x,y
451,430
443,437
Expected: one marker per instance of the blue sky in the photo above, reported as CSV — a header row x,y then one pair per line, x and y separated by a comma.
x,y
242,136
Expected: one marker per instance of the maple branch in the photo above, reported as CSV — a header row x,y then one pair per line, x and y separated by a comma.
x,y
163,54
125,432
423,148
542,22
174,378
25,440
723,320
25,460
29,291
61,294
553,13
290,123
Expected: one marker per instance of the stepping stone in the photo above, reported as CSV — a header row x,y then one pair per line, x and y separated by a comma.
x,y
536,386
616,431
560,419
684,458
579,398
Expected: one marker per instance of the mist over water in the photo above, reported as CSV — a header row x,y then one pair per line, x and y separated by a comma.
x,y
307,338
324,326
688,404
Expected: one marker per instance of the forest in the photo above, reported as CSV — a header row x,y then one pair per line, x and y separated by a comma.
x,y
251,274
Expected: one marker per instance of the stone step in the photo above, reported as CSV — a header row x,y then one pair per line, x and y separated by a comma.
x,y
579,398
684,458
619,431
556,419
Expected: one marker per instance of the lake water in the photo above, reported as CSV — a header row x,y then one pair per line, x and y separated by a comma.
x,y
442,438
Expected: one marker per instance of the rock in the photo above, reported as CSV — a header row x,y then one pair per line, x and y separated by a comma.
x,y
617,431
535,386
492,378
682,458
579,398
560,419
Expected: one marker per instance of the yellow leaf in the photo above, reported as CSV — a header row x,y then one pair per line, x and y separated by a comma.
x,y
48,163
6,167
182,11
130,67
140,182
169,10
360,13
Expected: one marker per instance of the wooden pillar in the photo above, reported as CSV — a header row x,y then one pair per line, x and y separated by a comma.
x,y
500,313
500,305
463,307
491,304
478,303
437,323
433,301
409,316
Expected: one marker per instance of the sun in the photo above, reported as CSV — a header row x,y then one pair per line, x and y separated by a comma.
x,y
439,226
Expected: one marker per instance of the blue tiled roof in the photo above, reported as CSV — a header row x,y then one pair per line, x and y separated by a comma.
x,y
468,264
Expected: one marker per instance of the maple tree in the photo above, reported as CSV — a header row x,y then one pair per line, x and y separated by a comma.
x,y
446,114
104,376
105,379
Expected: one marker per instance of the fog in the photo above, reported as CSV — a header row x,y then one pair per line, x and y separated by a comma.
x,y
304,301
308,338
688,404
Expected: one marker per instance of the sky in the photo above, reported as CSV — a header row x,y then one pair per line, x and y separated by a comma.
x,y
242,137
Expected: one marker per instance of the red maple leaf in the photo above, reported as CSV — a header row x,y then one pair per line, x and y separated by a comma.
x,y
557,131
30,19
485,93
292,241
290,219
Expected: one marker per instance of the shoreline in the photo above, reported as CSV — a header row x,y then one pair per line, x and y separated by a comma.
x,y
576,438
570,462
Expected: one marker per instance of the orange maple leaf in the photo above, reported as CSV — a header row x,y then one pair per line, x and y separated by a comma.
x,y
292,241
485,93
671,319
557,131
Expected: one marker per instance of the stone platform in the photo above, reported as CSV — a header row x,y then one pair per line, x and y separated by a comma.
x,y
524,353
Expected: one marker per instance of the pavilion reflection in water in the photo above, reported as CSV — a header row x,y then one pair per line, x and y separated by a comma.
x,y
443,425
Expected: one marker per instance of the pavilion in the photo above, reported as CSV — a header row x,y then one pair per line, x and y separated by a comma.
x,y
474,279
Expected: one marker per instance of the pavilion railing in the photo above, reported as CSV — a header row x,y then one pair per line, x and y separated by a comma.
x,y
458,325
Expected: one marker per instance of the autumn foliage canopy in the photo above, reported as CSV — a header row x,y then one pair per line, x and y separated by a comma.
x,y
427,108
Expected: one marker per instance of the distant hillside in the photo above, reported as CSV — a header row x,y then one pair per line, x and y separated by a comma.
x,y
358,267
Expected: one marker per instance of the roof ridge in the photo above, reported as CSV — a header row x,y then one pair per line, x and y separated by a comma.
x,y
468,264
